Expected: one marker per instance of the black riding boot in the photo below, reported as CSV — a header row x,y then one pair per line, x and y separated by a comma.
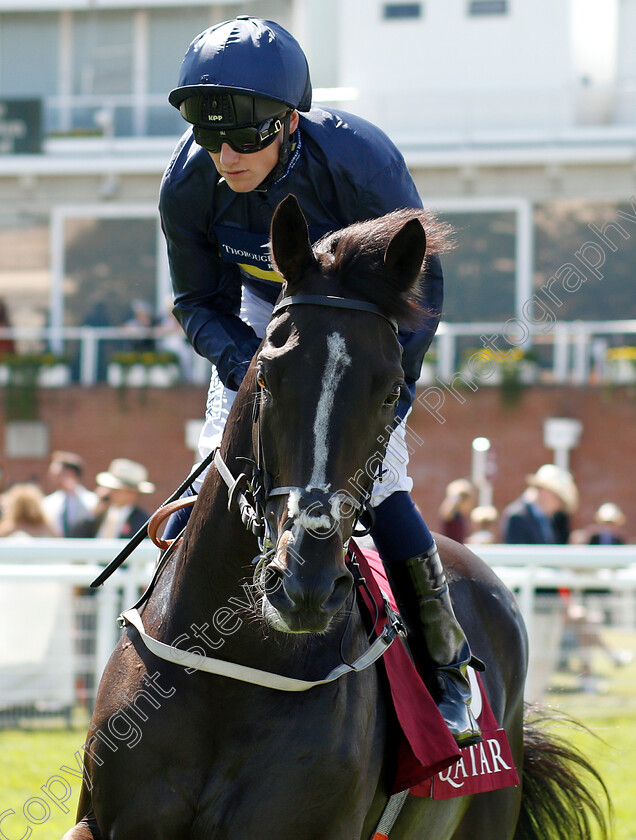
x,y
436,640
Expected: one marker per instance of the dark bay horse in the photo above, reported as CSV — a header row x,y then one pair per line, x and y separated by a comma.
x,y
174,752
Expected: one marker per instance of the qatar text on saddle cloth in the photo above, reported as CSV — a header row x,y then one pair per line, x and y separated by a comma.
x,y
429,761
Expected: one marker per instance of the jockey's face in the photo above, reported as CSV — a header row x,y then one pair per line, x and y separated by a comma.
x,y
243,173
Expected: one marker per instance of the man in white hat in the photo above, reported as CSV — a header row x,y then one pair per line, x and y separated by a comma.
x,y
609,519
532,519
120,515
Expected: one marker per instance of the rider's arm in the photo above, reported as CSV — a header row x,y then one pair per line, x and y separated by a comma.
x,y
207,292
416,342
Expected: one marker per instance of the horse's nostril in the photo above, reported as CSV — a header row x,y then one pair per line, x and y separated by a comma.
x,y
273,581
340,592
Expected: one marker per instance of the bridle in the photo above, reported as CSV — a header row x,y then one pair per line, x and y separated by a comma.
x,y
259,486
252,511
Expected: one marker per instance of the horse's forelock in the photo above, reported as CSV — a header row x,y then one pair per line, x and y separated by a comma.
x,y
356,255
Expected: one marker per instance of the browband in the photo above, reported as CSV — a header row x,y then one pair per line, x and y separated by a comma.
x,y
337,302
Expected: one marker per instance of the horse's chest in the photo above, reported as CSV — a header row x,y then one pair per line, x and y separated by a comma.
x,y
293,798
276,780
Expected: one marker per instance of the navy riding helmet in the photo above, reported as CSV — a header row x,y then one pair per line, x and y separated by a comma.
x,y
238,84
246,55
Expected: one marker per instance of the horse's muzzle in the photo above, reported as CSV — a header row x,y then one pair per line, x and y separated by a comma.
x,y
306,583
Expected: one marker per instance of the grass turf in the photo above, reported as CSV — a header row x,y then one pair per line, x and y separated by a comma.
x,y
31,759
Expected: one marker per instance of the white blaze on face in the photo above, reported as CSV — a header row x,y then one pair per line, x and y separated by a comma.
x,y
338,360
304,518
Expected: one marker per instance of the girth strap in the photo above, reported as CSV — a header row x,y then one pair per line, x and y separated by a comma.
x,y
222,668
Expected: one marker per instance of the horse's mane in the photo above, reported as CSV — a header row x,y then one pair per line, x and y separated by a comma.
x,y
356,255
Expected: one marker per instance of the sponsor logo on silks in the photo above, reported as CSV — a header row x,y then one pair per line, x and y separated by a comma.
x,y
238,253
249,250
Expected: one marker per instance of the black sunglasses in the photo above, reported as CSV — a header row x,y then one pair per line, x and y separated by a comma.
x,y
245,141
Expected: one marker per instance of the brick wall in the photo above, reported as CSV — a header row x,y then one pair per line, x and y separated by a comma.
x,y
146,425
603,464
149,428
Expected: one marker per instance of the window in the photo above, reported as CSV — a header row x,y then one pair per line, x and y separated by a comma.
x,y
103,53
169,33
108,263
483,267
402,11
488,7
561,229
28,55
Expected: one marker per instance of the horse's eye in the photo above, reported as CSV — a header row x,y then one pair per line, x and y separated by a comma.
x,y
394,396
260,379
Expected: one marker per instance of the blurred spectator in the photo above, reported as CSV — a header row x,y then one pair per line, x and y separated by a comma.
x,y
530,519
484,519
70,502
118,513
98,316
582,636
607,528
454,511
561,525
23,514
173,340
7,345
609,519
142,319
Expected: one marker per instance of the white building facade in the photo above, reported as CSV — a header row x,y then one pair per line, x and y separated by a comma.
x,y
517,120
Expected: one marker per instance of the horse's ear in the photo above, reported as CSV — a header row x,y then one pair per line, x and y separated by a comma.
x,y
405,252
291,246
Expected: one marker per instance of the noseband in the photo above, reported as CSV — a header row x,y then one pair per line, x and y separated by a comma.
x,y
259,485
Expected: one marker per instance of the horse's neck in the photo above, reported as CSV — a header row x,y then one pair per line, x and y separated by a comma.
x,y
211,585
216,553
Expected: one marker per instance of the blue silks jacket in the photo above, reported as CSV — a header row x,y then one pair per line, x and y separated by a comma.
x,y
342,169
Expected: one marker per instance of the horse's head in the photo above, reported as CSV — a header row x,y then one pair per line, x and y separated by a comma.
x,y
328,376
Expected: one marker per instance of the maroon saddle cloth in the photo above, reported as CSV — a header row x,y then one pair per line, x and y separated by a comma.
x,y
429,762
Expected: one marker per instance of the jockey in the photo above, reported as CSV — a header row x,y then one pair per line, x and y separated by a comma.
x,y
255,139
